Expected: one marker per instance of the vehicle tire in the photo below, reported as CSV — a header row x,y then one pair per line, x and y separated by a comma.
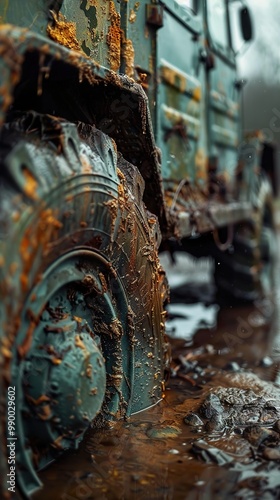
x,y
82,290
245,270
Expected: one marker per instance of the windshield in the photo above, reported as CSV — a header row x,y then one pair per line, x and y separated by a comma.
x,y
187,4
217,21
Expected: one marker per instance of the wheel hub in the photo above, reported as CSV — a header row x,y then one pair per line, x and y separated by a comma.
x,y
65,382
59,367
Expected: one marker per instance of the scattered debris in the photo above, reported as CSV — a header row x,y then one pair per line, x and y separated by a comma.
x,y
210,454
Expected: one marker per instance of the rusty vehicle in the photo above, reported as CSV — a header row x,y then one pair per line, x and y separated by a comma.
x,y
121,135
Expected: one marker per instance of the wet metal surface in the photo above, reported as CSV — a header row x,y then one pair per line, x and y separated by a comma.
x,y
177,450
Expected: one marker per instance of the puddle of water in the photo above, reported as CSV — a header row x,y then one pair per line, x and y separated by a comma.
x,y
192,295
185,319
186,269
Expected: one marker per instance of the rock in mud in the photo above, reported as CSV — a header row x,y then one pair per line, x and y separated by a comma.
x,y
211,406
216,423
210,454
193,419
240,397
276,426
232,366
266,362
163,432
257,435
271,453
234,407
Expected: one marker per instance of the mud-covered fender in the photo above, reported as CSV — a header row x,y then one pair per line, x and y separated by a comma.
x,y
39,74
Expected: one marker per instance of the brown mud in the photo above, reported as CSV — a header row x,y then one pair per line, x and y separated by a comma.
x,y
183,448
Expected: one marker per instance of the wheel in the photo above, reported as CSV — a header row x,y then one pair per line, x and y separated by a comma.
x,y
245,270
82,289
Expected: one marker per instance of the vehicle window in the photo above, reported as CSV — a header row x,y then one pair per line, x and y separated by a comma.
x,y
217,21
188,4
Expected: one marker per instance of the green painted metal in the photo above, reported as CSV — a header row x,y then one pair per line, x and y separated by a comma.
x,y
198,93
181,105
33,14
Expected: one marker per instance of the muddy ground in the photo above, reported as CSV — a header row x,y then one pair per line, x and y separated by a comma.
x,y
216,434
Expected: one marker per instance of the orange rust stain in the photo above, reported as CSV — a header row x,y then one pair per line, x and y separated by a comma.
x,y
103,283
2,261
16,216
89,371
36,402
69,197
86,166
78,319
132,16
6,352
36,237
174,78
201,164
121,176
128,55
79,343
26,344
117,203
143,80
45,412
56,361
197,93
30,185
114,38
114,145
7,98
57,443
13,268
64,32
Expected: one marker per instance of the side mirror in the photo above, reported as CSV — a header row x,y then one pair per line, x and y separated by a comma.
x,y
246,24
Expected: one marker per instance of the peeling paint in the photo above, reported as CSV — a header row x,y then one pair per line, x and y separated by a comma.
x,y
30,185
197,94
63,32
128,55
79,343
201,164
174,78
36,238
114,38
132,16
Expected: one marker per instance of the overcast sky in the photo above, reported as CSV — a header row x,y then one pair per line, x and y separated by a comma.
x,y
263,55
